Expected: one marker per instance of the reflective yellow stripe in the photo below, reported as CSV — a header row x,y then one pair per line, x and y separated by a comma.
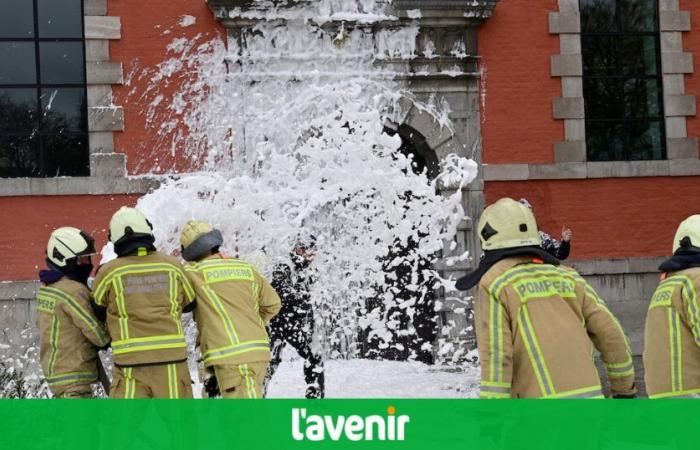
x,y
494,390
674,336
533,287
496,358
221,312
694,393
45,303
232,350
53,339
130,383
690,299
73,304
534,352
71,377
486,395
587,392
620,370
118,286
129,269
249,381
198,266
172,381
174,306
149,343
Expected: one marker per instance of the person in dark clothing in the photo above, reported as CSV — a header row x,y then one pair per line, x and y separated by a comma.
x,y
558,249
294,325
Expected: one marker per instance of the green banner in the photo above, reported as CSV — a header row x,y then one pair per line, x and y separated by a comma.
x,y
333,424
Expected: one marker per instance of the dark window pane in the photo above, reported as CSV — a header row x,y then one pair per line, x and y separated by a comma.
x,y
617,98
602,98
624,141
638,15
60,19
637,55
598,16
600,56
18,63
19,156
63,110
604,141
66,155
16,19
18,109
620,55
641,97
62,62
644,140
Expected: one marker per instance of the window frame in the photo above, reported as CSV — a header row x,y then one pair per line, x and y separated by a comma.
x,y
36,39
626,121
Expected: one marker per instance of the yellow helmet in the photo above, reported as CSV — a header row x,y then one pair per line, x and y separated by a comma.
x,y
507,224
128,222
688,234
197,239
66,244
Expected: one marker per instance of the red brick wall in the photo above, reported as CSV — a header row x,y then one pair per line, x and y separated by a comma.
x,y
610,218
147,29
691,42
27,223
516,47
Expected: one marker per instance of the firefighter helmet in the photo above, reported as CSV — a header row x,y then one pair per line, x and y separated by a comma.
x,y
197,239
128,223
688,234
507,224
67,243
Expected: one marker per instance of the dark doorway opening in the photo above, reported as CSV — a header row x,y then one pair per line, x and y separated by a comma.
x,y
412,319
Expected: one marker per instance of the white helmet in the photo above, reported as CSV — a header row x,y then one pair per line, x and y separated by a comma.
x,y
688,234
507,224
67,243
128,222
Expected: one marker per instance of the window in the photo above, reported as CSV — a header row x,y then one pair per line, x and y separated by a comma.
x,y
43,95
622,80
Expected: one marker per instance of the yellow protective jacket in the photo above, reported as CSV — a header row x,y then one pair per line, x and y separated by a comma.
x,y
234,303
672,337
534,327
69,334
144,297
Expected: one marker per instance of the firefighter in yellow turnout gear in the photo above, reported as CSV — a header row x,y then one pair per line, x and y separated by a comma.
x,y
234,305
535,319
142,295
70,334
672,333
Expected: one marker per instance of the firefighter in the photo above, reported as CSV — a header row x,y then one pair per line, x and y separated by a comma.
x,y
69,333
142,295
535,319
672,333
235,304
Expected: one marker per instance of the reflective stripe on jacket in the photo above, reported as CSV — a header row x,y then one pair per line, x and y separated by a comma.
x,y
144,297
69,334
234,304
536,327
672,337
